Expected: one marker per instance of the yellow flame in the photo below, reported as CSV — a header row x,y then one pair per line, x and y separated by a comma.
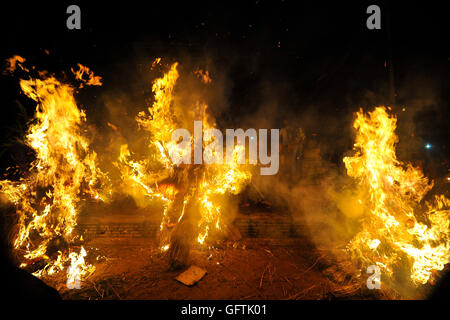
x,y
162,118
78,268
395,234
47,197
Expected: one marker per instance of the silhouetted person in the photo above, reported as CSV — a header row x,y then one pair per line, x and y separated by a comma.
x,y
292,144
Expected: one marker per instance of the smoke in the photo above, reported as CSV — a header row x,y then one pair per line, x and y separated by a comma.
x,y
322,198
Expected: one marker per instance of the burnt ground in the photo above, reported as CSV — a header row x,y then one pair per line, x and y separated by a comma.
x,y
247,269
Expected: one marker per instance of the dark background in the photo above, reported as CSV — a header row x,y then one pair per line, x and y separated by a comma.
x,y
318,58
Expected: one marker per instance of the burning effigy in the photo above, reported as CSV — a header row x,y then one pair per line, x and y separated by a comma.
x,y
192,193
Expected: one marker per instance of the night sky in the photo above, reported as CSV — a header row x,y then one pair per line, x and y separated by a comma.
x,y
319,57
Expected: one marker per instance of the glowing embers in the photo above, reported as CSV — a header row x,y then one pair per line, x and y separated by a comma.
x,y
396,235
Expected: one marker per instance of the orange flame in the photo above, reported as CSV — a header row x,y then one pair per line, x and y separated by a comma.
x,y
83,72
65,170
163,117
394,233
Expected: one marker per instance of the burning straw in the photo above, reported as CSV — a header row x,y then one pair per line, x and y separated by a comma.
x,y
48,195
400,237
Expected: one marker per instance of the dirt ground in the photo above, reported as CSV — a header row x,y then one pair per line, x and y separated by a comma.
x,y
247,269
272,260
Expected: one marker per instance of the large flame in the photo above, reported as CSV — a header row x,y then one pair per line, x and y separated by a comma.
x,y
64,172
396,234
162,118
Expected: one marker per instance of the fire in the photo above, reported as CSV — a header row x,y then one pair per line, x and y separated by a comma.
x,y
395,234
83,72
187,183
203,76
65,171
14,62
78,269
218,180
